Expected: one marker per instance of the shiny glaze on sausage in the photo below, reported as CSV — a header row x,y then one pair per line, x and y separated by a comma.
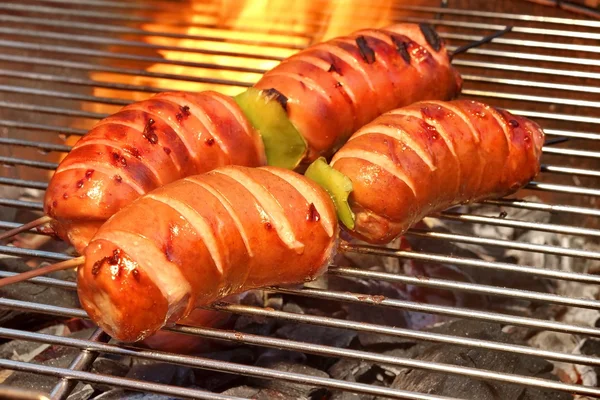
x,y
421,159
146,145
334,88
203,238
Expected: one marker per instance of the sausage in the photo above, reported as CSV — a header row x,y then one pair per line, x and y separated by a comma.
x,y
146,145
421,159
196,240
333,88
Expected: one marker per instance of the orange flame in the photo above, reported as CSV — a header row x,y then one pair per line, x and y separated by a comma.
x,y
256,34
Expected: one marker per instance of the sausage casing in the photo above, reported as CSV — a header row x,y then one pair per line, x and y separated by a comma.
x,y
199,239
420,159
146,145
334,88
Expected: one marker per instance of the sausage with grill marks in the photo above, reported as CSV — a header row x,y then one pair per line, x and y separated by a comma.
x,y
421,159
146,145
202,238
333,88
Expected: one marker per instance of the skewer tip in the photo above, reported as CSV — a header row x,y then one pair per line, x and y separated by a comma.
x,y
72,263
25,227
482,41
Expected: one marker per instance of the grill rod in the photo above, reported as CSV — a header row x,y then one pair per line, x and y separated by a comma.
x,y
531,114
126,383
176,21
451,237
123,102
82,362
258,372
11,161
53,11
341,324
386,252
485,290
136,43
421,9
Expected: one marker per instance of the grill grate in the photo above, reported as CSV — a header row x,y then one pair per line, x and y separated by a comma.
x,y
65,65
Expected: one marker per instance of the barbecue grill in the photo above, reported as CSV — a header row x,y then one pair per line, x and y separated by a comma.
x,y
532,258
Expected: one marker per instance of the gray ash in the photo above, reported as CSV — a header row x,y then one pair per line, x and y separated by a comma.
x,y
468,388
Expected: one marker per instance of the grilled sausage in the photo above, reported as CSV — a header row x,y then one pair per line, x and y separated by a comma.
x,y
426,157
199,239
145,145
333,88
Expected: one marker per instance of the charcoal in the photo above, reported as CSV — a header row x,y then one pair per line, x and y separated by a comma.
x,y
352,371
467,388
34,293
25,350
272,356
60,357
255,394
389,264
340,338
161,373
107,366
338,395
121,394
291,389
81,392
347,369
438,296
216,381
292,307
381,316
46,354
240,355
255,325
242,391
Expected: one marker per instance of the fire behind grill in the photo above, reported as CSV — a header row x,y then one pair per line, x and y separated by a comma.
x,y
509,284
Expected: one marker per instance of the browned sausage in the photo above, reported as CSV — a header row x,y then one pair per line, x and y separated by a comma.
x,y
426,157
334,88
146,145
199,239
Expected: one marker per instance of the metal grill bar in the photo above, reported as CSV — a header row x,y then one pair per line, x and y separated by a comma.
x,y
525,43
12,44
507,244
526,69
310,348
531,114
570,171
359,298
39,145
105,22
134,43
124,17
76,81
140,88
465,287
469,262
29,163
513,223
82,362
107,28
103,68
501,15
32,205
321,321
112,380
